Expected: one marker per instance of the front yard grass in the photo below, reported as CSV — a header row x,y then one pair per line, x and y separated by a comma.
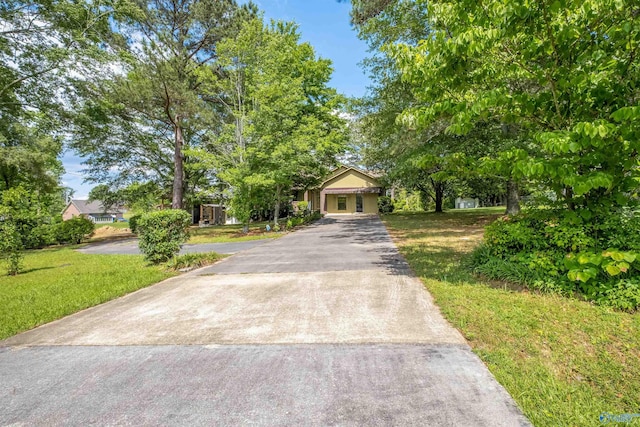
x,y
60,281
118,224
564,361
231,233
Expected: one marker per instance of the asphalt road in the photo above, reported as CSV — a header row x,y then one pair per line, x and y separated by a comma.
x,y
325,326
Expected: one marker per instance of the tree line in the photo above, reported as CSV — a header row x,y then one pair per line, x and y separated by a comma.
x,y
166,101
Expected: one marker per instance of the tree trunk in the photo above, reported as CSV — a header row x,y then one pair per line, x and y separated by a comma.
x,y
178,167
513,198
438,188
276,213
568,197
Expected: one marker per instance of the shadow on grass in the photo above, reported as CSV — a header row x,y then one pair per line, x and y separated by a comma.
x,y
33,270
439,246
438,262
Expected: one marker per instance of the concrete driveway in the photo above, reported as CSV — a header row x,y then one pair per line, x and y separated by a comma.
x,y
325,326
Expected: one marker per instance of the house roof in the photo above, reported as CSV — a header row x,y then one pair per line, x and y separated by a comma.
x,y
95,206
344,169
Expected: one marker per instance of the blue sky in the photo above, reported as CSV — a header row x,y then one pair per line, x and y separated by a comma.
x,y
324,24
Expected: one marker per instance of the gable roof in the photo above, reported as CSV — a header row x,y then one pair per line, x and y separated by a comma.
x,y
95,206
344,169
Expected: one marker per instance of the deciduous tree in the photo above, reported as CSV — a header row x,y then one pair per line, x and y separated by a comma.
x,y
284,130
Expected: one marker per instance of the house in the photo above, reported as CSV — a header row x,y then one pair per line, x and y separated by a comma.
x,y
346,190
94,211
467,203
211,214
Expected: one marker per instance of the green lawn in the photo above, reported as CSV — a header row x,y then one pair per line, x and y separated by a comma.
x,y
564,361
211,234
60,281
231,233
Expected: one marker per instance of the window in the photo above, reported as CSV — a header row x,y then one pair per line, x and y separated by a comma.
x,y
342,203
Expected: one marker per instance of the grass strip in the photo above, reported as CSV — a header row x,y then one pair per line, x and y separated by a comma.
x,y
230,233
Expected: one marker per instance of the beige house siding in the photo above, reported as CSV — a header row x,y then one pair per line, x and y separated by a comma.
x,y
370,202
70,212
350,183
351,179
332,203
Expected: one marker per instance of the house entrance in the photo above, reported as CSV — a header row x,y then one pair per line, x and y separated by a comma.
x,y
358,202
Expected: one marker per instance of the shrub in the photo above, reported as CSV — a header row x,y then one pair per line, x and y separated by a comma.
x,y
162,233
133,224
41,235
316,215
35,231
385,205
567,252
11,247
73,230
303,208
193,260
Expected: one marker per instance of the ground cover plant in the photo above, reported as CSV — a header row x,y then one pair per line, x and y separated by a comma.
x,y
56,282
565,361
593,255
193,260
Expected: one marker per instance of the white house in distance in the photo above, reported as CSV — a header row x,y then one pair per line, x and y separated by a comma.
x,y
94,211
467,203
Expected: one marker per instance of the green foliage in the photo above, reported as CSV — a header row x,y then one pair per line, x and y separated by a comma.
x,y
542,93
303,207
560,251
133,223
408,201
162,233
304,217
155,90
193,260
74,230
516,63
283,130
30,213
385,205
11,247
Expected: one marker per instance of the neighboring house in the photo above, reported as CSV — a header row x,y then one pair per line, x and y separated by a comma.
x,y
346,190
211,214
467,203
93,211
